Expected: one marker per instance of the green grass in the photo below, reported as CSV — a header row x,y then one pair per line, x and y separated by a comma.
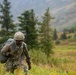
x,y
65,47
38,70
65,56
62,62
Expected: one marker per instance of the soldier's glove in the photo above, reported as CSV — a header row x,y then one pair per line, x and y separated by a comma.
x,y
29,67
29,64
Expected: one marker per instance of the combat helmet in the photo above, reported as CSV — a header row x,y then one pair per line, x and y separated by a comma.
x,y
19,36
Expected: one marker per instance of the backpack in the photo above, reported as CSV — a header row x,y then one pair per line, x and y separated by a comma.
x,y
4,58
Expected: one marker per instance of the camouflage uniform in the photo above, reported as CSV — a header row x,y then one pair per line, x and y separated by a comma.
x,y
16,55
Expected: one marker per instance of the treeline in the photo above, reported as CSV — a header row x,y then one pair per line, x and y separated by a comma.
x,y
65,34
38,35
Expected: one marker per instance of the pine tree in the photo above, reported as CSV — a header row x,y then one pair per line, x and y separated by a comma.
x,y
5,17
55,37
28,26
33,31
63,36
46,33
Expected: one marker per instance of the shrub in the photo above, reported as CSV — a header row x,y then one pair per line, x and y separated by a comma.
x,y
57,42
38,56
73,38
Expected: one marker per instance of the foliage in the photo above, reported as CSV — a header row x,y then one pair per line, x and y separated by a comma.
x,y
55,37
75,36
63,36
6,22
2,40
46,33
28,26
5,17
38,57
57,42
62,62
72,29
37,70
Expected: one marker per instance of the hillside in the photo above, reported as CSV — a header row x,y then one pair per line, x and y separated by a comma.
x,y
64,11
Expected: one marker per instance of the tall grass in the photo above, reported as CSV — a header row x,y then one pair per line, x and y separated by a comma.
x,y
62,62
38,70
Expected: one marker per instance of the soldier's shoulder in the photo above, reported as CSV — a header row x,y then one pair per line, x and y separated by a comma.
x,y
24,43
12,44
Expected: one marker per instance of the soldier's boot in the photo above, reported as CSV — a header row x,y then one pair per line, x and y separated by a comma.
x,y
26,70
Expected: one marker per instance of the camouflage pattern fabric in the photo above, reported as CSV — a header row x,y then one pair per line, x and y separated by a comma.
x,y
16,55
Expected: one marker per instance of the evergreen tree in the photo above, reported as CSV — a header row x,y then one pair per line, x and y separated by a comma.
x,y
46,33
28,26
55,37
5,17
33,31
63,36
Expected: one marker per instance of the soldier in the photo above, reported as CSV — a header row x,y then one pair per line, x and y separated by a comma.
x,y
16,51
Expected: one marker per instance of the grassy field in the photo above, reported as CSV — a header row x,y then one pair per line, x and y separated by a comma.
x,y
63,62
66,56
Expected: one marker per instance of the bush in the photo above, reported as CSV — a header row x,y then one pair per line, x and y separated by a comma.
x,y
57,42
57,61
38,56
68,37
73,38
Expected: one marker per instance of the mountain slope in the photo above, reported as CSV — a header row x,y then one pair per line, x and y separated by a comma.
x,y
64,11
65,16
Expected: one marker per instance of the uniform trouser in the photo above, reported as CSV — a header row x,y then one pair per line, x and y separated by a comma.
x,y
25,69
10,67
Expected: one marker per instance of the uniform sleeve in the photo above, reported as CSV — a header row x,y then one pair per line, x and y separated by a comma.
x,y
5,49
27,54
